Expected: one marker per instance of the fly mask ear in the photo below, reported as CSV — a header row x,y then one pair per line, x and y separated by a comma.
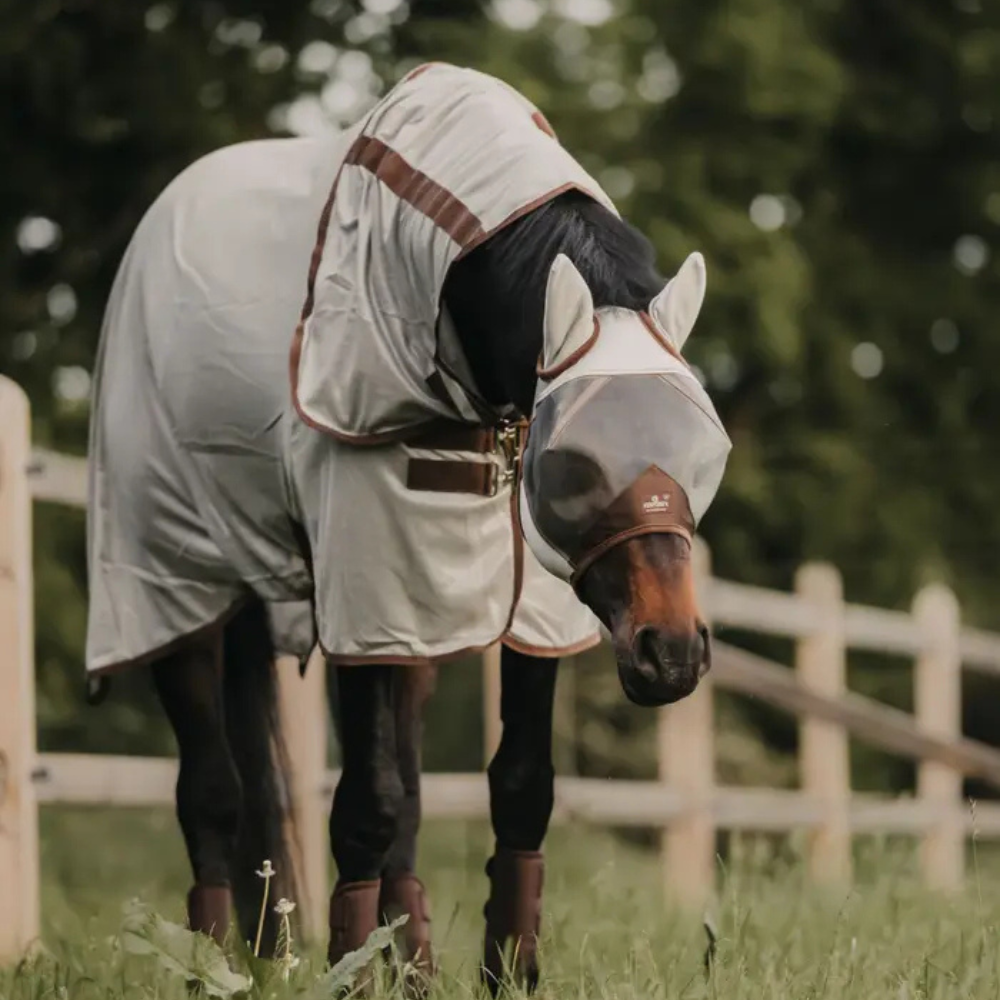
x,y
569,325
676,308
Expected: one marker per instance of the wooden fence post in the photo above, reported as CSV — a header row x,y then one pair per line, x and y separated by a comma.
x,y
492,725
19,899
304,721
686,761
938,705
821,664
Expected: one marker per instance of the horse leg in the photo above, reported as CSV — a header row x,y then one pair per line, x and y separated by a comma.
x,y
367,804
402,891
253,727
522,786
189,685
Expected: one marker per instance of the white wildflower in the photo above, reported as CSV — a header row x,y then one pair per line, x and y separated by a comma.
x,y
283,907
266,871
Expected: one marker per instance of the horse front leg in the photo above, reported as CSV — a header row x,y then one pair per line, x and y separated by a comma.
x,y
522,785
402,892
367,805
189,685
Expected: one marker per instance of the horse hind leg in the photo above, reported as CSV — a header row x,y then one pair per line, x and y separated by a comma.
x,y
189,686
367,803
253,731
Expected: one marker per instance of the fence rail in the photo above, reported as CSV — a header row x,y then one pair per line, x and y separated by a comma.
x,y
684,802
108,780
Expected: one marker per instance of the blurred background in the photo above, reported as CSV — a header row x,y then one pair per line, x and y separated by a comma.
x,y
837,162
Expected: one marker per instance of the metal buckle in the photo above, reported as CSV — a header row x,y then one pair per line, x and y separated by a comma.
x,y
495,479
508,440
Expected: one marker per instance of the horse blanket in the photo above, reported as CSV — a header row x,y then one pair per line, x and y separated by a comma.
x,y
213,473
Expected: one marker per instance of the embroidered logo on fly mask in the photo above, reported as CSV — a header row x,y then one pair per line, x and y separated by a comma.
x,y
656,503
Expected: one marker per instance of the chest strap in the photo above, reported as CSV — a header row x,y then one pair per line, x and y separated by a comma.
x,y
500,447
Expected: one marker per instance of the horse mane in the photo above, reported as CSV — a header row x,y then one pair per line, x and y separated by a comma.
x,y
496,294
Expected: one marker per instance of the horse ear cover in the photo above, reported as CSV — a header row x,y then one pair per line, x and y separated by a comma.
x,y
676,308
569,314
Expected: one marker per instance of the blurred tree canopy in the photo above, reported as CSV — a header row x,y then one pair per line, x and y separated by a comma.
x,y
838,163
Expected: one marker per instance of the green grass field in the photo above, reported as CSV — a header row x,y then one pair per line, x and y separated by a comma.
x,y
607,932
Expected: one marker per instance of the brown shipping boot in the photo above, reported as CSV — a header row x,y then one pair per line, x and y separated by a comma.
x,y
513,915
353,916
406,894
209,907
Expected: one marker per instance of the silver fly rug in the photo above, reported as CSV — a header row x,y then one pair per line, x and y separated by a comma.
x,y
214,472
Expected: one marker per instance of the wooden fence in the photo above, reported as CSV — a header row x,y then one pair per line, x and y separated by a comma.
x,y
685,802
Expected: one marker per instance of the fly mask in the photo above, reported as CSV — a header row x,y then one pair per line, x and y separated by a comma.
x,y
624,441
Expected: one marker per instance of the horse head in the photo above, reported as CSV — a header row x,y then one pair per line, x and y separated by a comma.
x,y
624,455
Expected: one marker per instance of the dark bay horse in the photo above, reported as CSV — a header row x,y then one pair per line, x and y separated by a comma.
x,y
217,686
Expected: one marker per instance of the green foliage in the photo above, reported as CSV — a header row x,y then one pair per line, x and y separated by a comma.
x,y
180,952
197,959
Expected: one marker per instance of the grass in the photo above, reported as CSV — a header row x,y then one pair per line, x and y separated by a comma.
x,y
607,931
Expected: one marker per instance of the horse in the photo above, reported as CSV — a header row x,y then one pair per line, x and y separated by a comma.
x,y
564,286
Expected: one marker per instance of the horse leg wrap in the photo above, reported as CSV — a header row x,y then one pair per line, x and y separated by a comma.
x,y
513,916
353,916
209,907
405,894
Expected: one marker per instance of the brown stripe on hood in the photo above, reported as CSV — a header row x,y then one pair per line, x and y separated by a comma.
x,y
417,189
543,123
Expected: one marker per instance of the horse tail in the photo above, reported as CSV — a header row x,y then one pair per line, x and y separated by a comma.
x,y
254,733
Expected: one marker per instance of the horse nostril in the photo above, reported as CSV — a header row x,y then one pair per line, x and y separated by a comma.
x,y
705,663
655,649
648,653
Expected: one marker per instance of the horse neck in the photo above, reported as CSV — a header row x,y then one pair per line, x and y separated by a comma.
x,y
501,340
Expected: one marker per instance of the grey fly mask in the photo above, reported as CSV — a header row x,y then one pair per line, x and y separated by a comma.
x,y
624,441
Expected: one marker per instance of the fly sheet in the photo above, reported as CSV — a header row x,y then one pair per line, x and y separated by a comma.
x,y
206,481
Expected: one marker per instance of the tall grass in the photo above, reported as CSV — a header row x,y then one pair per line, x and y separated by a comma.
x,y
607,931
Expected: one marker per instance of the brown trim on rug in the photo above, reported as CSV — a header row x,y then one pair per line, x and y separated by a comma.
x,y
515,529
398,436
524,210
351,660
399,660
174,644
543,123
661,338
414,187
551,654
422,68
317,252
547,374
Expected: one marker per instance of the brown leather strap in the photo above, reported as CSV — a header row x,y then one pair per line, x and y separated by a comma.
x,y
452,476
455,437
449,435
